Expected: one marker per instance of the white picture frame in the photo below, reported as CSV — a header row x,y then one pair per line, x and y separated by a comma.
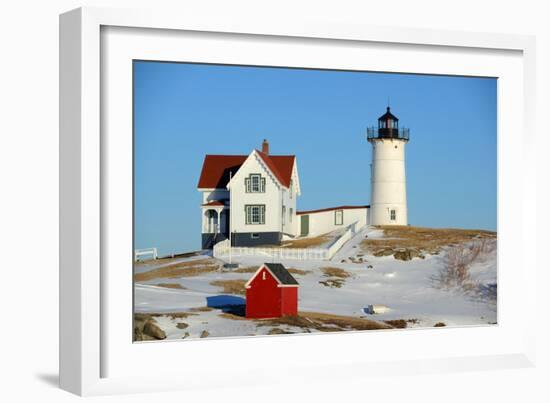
x,y
91,344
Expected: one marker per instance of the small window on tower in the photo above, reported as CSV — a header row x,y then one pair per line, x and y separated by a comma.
x,y
392,215
263,275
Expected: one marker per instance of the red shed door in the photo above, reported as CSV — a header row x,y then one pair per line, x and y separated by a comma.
x,y
263,298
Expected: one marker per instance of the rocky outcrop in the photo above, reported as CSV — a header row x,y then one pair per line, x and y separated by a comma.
x,y
146,328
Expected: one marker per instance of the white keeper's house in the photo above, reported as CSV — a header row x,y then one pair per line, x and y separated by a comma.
x,y
254,196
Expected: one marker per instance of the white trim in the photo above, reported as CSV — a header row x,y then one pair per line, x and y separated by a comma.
x,y
254,154
247,285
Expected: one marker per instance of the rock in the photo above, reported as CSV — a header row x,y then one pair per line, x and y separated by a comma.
x,y
343,261
375,309
406,254
182,325
186,335
278,331
383,252
151,329
440,324
204,334
402,255
139,336
370,266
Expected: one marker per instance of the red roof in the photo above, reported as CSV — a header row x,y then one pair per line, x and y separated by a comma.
x,y
214,203
216,169
330,209
280,165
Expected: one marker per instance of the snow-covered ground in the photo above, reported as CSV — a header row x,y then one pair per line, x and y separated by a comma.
x,y
405,287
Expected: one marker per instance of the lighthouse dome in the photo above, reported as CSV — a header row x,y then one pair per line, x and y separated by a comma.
x,y
388,128
388,120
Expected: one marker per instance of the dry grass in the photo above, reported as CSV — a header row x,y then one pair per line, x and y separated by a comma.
x,y
325,322
184,269
397,323
201,309
251,269
172,315
335,272
299,271
345,322
333,282
307,242
429,240
228,315
231,286
336,276
170,285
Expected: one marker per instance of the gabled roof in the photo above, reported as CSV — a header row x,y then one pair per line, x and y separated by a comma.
x,y
279,272
280,166
216,169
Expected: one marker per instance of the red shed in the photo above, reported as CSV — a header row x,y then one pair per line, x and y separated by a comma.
x,y
271,292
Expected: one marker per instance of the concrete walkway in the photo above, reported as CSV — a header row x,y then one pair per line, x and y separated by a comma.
x,y
348,248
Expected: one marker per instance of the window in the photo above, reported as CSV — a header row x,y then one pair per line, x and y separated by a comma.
x,y
255,214
339,217
290,211
291,188
392,215
254,235
254,184
284,214
263,275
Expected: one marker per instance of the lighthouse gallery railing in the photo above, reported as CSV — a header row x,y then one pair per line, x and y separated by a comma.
x,y
388,133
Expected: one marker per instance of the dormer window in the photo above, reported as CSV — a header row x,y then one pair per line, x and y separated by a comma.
x,y
255,184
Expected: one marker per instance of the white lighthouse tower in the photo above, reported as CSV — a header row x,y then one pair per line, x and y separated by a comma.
x,y
388,204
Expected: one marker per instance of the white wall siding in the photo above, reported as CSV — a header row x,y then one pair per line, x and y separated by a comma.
x,y
271,198
388,182
290,224
324,221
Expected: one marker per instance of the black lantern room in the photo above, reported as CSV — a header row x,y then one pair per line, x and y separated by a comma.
x,y
388,128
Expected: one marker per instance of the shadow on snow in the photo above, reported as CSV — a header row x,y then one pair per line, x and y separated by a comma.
x,y
227,303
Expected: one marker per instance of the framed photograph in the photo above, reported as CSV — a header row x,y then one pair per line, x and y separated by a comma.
x,y
266,193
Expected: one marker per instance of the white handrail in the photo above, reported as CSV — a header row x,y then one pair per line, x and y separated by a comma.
x,y
147,251
222,249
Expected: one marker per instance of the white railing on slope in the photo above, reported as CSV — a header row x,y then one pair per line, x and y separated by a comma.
x,y
221,249
144,252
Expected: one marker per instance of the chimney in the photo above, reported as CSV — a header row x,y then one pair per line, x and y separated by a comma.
x,y
265,147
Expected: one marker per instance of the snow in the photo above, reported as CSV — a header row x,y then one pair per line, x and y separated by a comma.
x,y
405,287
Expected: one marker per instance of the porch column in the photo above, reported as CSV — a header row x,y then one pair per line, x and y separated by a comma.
x,y
219,221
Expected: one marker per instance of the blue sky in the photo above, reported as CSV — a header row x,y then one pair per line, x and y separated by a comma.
x,y
184,111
